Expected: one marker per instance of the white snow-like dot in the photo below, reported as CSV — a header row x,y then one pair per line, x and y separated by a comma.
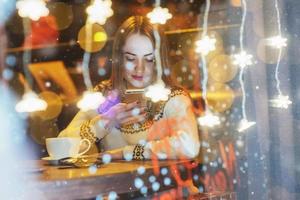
x,y
138,183
135,112
167,181
164,171
155,186
144,190
7,74
129,66
141,170
106,158
152,179
101,71
112,195
93,169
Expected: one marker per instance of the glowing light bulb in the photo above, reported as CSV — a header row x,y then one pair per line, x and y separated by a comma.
x,y
159,15
277,41
34,9
31,103
281,102
206,45
244,125
90,100
242,59
209,120
157,92
99,11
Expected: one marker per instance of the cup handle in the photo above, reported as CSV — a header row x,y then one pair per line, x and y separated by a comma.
x,y
88,148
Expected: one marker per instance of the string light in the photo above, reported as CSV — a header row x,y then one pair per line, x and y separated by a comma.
x,y
99,11
158,91
159,15
31,103
245,124
209,120
243,59
206,45
281,102
90,100
34,9
278,42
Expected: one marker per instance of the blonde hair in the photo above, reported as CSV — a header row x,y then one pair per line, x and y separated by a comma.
x,y
136,25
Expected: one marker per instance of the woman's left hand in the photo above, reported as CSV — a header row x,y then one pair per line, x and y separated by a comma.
x,y
116,154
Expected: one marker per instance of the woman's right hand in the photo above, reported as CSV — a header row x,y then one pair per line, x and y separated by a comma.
x,y
123,114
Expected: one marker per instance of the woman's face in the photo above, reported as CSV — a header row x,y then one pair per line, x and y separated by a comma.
x,y
138,60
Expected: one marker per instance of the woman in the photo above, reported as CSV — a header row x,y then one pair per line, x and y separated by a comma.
x,y
138,129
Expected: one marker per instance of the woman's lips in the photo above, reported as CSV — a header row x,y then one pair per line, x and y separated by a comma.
x,y
138,78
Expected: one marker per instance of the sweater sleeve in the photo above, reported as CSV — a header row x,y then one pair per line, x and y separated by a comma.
x,y
83,125
179,140
82,120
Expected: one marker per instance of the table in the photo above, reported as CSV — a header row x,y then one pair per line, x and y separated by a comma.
x,y
53,182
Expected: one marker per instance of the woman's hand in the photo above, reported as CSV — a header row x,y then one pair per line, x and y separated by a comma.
x,y
123,114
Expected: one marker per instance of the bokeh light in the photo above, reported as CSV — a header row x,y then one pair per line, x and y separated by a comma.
x,y
220,97
268,54
221,69
63,14
92,37
54,107
235,3
40,129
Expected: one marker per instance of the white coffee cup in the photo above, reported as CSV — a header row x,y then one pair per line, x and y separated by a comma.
x,y
62,147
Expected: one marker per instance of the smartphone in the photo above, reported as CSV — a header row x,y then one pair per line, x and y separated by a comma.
x,y
132,95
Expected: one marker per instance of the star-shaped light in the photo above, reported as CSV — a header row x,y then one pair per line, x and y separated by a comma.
x,y
31,103
90,100
159,15
34,9
281,102
242,59
157,92
206,45
277,41
99,11
209,120
244,125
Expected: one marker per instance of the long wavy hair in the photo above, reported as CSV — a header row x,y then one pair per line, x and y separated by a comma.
x,y
3,42
137,25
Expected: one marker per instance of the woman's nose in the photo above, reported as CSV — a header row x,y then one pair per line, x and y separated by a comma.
x,y
139,68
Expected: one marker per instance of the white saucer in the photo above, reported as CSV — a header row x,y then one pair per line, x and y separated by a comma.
x,y
52,161
48,158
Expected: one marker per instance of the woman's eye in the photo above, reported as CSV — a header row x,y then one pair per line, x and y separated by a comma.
x,y
150,60
130,59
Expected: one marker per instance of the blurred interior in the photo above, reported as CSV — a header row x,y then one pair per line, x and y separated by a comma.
x,y
257,158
